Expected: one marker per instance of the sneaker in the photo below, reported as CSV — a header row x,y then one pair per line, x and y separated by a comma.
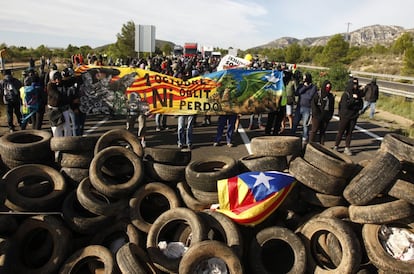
x,y
189,147
348,151
230,145
157,129
180,146
216,144
335,148
143,144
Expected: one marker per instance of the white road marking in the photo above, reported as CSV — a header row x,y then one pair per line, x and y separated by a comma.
x,y
367,132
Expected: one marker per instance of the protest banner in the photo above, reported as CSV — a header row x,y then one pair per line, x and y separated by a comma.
x,y
107,90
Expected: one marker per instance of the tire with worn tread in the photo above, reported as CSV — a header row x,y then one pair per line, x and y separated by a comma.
x,y
98,203
351,250
90,253
142,197
26,145
163,225
403,190
330,161
402,147
115,187
74,143
272,240
32,236
203,174
380,213
276,146
114,136
132,259
315,178
168,155
262,163
372,179
198,254
47,201
379,257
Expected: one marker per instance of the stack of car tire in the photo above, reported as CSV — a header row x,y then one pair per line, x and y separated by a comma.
x,y
123,209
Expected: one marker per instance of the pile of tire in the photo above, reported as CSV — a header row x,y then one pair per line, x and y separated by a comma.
x,y
135,210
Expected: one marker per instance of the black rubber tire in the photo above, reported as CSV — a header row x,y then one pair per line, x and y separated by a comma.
x,y
276,146
402,190
74,143
31,237
203,175
262,163
267,241
200,252
141,198
132,259
90,253
114,136
372,179
114,187
330,161
164,225
98,203
379,257
315,178
400,146
172,156
25,145
380,213
49,201
351,250
164,172
222,228
205,197
320,199
79,219
188,197
75,159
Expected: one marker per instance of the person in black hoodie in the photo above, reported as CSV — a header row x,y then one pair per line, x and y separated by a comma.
x,y
323,105
349,106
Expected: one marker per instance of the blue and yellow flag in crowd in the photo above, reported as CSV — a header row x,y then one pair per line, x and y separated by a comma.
x,y
108,90
251,197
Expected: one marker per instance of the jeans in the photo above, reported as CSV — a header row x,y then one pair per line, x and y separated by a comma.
x,y
184,134
302,114
372,106
229,121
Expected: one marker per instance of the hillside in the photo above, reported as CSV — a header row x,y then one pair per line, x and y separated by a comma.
x,y
366,36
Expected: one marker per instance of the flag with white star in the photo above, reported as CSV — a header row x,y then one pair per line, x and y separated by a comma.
x,y
251,197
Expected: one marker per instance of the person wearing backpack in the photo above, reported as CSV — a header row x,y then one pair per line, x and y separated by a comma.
x,y
9,90
322,111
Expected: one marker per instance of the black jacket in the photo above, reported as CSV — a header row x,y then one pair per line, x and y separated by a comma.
x,y
351,103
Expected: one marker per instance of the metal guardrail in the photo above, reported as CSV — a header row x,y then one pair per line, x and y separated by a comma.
x,y
396,92
391,91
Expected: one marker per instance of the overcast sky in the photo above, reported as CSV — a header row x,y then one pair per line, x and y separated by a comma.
x,y
220,23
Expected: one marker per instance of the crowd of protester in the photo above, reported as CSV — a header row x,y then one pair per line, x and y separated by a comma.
x,y
304,104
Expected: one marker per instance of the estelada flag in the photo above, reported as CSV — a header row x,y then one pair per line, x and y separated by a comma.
x,y
251,197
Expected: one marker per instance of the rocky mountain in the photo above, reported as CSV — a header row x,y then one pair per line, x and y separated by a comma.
x,y
366,36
